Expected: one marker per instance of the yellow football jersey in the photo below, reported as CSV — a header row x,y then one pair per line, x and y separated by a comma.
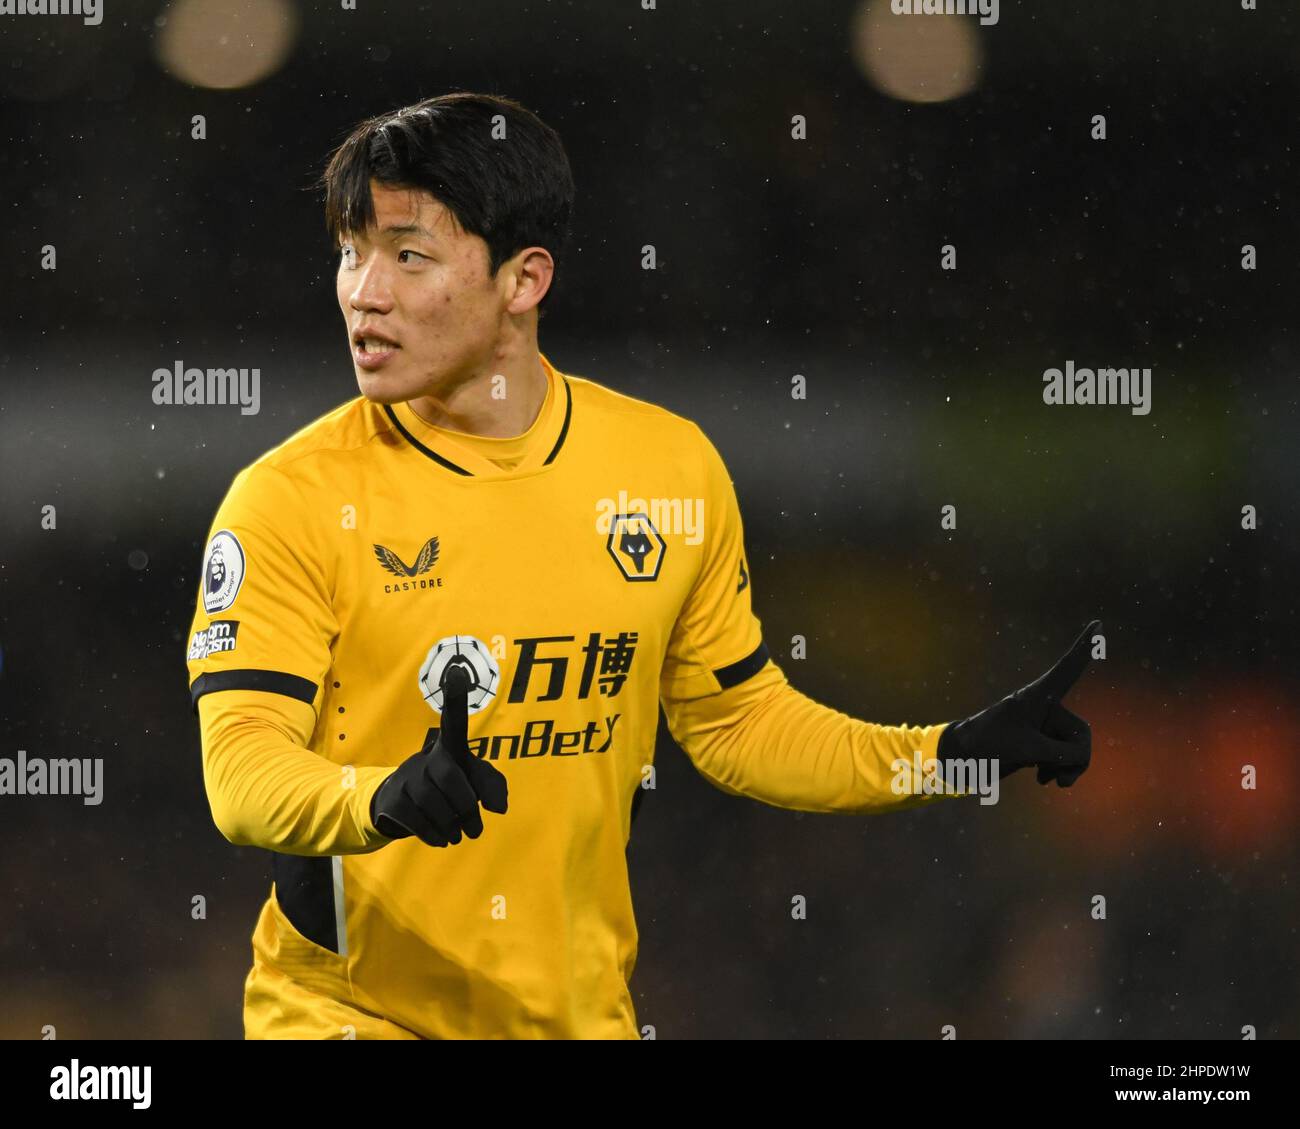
x,y
582,576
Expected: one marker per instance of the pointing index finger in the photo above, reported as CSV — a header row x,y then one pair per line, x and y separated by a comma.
x,y
1056,683
455,707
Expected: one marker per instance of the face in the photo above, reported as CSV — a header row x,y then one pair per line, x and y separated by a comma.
x,y
416,288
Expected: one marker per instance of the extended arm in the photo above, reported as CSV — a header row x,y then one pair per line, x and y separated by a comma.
x,y
768,741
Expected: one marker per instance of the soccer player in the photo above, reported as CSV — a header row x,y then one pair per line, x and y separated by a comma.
x,y
435,625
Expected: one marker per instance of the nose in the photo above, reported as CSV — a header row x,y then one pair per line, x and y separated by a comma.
x,y
372,290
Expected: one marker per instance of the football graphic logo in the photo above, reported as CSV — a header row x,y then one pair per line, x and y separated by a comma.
x,y
467,652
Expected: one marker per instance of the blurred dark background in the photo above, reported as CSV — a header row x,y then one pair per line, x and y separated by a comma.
x,y
776,256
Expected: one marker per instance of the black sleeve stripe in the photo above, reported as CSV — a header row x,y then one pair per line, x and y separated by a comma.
x,y
737,672
272,681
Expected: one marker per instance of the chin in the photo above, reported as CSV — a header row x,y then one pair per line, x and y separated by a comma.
x,y
380,388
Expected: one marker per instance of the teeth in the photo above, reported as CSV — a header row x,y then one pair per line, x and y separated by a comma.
x,y
374,345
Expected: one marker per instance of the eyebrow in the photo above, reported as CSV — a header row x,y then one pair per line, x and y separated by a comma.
x,y
394,229
407,229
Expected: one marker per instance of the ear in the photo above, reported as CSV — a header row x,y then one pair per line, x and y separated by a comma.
x,y
534,271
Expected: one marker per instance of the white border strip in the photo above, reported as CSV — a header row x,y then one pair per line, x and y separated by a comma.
x,y
340,909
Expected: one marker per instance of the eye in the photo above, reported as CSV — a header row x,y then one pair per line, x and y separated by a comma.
x,y
415,253
348,255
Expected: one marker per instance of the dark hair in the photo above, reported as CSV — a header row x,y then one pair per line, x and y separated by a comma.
x,y
513,192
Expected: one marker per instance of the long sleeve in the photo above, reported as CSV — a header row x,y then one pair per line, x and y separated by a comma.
x,y
735,714
766,740
259,651
266,789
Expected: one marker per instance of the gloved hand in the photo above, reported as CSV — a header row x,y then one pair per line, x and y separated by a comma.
x,y
434,794
1030,727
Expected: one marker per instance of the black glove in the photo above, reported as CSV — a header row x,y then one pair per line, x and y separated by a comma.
x,y
435,793
1030,727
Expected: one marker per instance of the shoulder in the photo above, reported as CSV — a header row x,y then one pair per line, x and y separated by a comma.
x,y
282,475
346,430
622,416
634,423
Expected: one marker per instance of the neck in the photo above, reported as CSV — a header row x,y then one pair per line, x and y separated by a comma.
x,y
474,405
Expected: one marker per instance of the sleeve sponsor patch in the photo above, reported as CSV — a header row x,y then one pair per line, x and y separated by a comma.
x,y
218,637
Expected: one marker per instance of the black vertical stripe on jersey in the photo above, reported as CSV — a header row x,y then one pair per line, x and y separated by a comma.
x,y
736,673
272,681
304,889
564,429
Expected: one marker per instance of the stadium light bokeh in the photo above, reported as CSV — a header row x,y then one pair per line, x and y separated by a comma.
x,y
225,44
930,59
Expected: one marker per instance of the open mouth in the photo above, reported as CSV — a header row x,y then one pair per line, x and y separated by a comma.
x,y
371,350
